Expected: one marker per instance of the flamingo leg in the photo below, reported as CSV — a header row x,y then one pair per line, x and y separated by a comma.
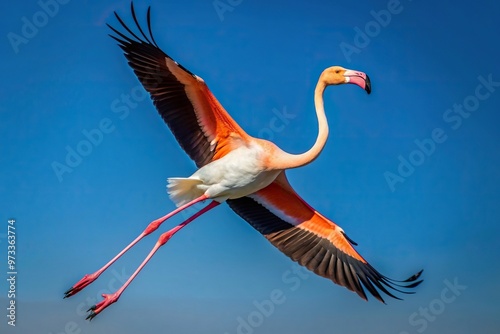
x,y
113,297
89,278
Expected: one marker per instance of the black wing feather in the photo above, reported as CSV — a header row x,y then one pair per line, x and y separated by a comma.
x,y
168,94
319,254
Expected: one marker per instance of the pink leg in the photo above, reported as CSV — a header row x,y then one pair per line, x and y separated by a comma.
x,y
111,298
89,278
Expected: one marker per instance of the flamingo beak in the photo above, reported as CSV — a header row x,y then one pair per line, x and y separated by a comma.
x,y
358,78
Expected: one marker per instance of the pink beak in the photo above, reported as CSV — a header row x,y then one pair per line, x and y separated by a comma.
x,y
358,78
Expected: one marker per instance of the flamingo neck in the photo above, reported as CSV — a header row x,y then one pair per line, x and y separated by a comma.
x,y
287,160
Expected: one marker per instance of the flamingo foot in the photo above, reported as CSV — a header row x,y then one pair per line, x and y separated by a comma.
x,y
86,280
99,307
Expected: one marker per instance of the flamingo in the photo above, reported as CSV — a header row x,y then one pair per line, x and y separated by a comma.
x,y
245,172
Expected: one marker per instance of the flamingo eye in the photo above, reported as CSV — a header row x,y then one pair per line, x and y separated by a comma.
x,y
337,71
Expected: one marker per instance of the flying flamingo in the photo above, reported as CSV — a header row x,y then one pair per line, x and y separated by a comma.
x,y
246,172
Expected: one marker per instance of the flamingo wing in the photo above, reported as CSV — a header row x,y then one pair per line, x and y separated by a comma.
x,y
312,240
198,121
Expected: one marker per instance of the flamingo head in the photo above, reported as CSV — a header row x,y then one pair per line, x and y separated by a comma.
x,y
337,75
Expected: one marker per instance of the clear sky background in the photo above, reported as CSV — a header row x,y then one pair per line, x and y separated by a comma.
x,y
261,59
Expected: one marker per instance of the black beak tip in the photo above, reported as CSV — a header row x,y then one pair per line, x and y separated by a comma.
x,y
368,86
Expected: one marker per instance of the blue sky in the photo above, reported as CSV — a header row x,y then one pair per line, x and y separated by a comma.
x,y
68,78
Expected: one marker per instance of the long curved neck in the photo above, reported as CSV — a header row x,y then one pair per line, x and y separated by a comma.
x,y
287,160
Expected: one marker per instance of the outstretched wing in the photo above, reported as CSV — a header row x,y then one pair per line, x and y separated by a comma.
x,y
312,240
198,121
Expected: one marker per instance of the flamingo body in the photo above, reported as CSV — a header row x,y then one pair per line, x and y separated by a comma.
x,y
239,173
